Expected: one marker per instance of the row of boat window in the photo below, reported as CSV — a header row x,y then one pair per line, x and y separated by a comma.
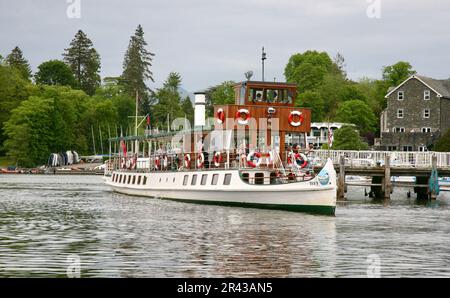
x,y
131,179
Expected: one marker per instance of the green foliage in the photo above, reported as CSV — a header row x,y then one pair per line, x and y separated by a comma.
x,y
168,101
308,69
188,109
357,112
136,68
16,60
347,138
443,144
13,90
219,95
397,73
313,100
55,72
84,61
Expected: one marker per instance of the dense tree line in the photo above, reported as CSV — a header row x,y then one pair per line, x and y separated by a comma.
x,y
66,106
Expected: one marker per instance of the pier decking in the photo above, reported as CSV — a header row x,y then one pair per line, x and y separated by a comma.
x,y
382,165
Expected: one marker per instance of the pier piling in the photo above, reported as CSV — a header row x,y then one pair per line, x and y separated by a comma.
x,y
387,185
341,180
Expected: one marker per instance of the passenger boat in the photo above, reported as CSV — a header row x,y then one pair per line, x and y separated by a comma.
x,y
239,158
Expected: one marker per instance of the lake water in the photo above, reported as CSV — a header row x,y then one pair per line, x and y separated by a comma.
x,y
51,225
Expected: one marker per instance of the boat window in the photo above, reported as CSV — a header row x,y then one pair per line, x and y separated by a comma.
x,y
159,179
259,178
134,179
186,178
145,180
120,178
204,178
215,179
194,180
129,179
139,180
273,178
245,177
227,179
113,177
173,180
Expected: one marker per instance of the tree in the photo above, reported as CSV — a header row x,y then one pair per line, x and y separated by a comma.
x,y
308,69
443,144
347,138
221,94
55,72
357,112
313,100
15,59
188,109
397,73
84,61
136,67
168,100
13,90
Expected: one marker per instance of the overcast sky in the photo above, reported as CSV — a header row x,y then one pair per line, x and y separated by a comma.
x,y
210,41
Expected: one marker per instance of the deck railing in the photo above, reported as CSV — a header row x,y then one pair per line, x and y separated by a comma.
x,y
376,158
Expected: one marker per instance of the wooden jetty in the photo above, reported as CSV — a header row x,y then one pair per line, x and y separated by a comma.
x,y
380,166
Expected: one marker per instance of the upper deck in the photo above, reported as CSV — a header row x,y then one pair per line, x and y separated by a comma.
x,y
265,93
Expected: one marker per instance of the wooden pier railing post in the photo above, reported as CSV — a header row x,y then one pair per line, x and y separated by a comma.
x,y
341,179
433,182
387,185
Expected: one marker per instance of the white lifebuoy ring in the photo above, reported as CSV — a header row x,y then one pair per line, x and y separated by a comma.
x,y
200,160
220,116
300,157
165,162
187,161
291,118
239,113
252,155
217,159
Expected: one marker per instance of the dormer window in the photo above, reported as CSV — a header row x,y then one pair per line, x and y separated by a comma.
x,y
400,95
426,95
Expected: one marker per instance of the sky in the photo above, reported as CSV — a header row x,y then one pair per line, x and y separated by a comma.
x,y
211,41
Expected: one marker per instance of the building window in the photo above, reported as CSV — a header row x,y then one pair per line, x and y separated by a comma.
x,y
185,180
204,178
400,113
426,129
426,113
392,148
194,180
426,95
214,180
399,129
423,148
227,179
400,95
407,148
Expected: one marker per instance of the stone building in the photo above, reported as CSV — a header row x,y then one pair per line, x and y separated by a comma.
x,y
417,114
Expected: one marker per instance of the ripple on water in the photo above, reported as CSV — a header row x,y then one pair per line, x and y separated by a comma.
x,y
45,219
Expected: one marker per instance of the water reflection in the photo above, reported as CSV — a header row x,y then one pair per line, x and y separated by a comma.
x,y
44,219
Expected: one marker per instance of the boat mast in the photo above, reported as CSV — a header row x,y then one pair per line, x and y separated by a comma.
x,y
136,145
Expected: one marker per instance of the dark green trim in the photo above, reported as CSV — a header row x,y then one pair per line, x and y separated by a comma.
x,y
324,210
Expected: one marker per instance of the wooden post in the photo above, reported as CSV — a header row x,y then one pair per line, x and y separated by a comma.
x,y
433,183
387,177
341,179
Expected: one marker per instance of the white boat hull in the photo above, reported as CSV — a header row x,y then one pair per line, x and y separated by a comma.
x,y
313,196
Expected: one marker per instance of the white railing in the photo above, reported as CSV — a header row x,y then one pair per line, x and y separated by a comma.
x,y
374,158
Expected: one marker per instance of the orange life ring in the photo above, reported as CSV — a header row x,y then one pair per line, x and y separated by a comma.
x,y
250,159
220,116
200,160
217,159
243,121
301,157
291,118
187,161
